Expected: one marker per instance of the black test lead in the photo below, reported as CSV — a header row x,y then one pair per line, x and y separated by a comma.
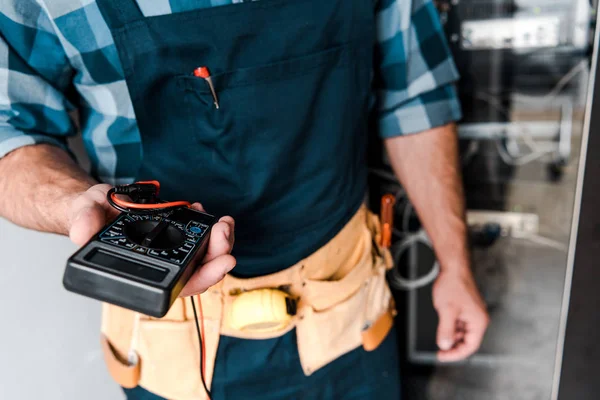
x,y
204,73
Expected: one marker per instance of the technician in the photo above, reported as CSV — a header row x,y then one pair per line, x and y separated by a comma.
x,y
275,138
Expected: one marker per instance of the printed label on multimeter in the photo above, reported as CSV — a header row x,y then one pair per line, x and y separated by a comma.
x,y
180,243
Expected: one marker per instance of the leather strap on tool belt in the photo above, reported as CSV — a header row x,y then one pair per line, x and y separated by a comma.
x,y
343,302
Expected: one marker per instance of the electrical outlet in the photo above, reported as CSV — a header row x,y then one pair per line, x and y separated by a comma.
x,y
512,223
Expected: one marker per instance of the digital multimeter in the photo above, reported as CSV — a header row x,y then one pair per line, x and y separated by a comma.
x,y
141,261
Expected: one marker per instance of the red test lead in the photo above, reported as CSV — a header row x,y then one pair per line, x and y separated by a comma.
x,y
204,73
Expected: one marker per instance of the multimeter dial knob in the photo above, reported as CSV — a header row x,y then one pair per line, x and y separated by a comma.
x,y
154,234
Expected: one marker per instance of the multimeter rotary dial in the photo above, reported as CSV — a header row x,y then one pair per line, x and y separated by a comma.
x,y
160,235
169,237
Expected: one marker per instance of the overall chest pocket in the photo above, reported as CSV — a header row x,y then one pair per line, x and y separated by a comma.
x,y
278,121
265,98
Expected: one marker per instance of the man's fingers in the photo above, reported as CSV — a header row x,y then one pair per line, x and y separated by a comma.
x,y
89,213
208,275
459,334
475,327
459,352
447,327
198,207
228,220
221,239
217,262
86,223
475,331
230,231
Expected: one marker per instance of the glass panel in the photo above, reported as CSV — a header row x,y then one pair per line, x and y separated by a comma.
x,y
524,74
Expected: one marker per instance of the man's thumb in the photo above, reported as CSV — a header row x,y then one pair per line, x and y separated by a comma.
x,y
86,222
446,327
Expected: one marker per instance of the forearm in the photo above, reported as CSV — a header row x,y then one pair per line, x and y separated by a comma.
x,y
427,166
38,184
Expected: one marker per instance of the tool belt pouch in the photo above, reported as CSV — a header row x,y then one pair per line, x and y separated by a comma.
x,y
342,315
167,349
345,303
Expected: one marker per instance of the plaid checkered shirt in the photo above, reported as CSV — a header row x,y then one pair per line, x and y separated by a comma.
x,y
58,56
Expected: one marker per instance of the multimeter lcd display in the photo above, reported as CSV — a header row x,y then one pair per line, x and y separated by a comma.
x,y
118,264
141,261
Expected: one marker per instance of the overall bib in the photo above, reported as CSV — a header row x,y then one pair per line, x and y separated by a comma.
x,y
284,154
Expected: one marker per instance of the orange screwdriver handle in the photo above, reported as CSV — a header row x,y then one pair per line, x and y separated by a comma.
x,y
387,219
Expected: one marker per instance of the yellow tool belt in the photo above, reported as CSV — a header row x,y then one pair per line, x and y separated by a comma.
x,y
343,302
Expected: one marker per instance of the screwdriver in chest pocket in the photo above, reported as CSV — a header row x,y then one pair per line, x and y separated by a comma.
x,y
204,73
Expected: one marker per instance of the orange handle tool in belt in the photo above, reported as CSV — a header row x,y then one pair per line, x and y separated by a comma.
x,y
387,219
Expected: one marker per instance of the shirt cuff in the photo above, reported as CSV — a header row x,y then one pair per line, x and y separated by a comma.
x,y
426,111
10,141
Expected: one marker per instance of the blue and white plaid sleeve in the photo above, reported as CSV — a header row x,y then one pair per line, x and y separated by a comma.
x,y
34,75
414,70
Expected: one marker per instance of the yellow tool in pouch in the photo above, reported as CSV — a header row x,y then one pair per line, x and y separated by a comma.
x,y
261,310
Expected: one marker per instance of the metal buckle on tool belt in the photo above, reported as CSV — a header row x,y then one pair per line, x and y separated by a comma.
x,y
262,310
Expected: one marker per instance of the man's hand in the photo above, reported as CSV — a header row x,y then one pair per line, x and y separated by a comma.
x,y
428,168
44,189
218,261
462,314
90,211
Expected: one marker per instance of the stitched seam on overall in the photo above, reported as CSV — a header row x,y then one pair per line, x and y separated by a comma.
x,y
190,82
205,13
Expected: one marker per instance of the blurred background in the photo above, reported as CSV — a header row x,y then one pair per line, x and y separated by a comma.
x,y
525,67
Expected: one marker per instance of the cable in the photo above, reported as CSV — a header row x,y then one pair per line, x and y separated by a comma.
x,y
520,160
408,208
566,78
200,343
544,241
470,153
383,174
152,206
537,151
396,279
146,193
203,343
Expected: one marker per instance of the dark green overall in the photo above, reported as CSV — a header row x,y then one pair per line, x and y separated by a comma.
x,y
284,154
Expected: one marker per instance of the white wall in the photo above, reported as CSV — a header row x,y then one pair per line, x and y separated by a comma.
x,y
49,347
